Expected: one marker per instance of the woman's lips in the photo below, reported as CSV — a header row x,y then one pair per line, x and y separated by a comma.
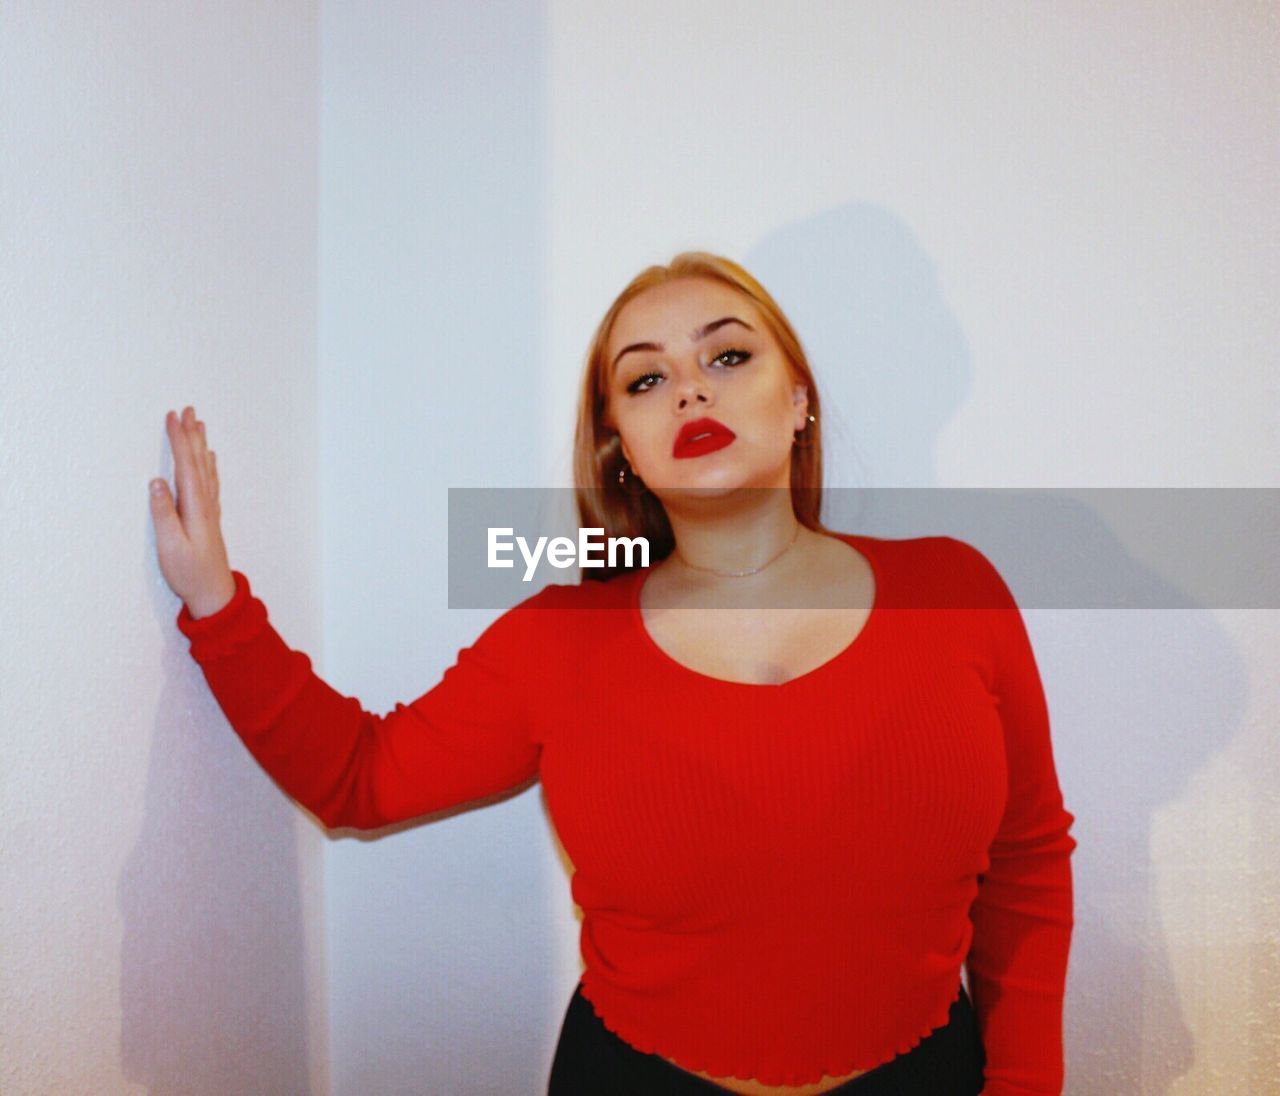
x,y
702,439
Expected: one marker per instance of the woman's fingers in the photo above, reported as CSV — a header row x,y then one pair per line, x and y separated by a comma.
x,y
200,449
192,497
210,470
164,513
190,427
169,528
183,475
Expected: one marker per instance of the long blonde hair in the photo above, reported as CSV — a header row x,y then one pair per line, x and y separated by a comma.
x,y
597,450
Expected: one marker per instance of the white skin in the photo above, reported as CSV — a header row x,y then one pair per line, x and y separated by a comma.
x,y
719,515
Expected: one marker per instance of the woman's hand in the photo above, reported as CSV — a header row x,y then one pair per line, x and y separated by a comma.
x,y
193,558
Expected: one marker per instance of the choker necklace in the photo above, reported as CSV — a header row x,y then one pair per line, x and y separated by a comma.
x,y
740,574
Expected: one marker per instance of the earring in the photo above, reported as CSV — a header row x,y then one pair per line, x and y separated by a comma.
x,y
629,487
808,437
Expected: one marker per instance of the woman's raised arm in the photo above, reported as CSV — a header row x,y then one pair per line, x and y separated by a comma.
x,y
467,737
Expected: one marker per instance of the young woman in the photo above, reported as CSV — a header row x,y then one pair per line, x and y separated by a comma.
x,y
793,820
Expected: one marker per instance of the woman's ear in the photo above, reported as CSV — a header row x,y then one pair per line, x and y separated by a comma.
x,y
801,403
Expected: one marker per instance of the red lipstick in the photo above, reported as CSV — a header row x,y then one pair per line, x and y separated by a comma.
x,y
701,436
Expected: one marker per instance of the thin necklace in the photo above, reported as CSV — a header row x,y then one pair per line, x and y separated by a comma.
x,y
740,574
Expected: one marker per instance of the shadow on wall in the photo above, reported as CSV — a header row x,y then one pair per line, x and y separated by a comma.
x,y
1139,700
213,986
888,355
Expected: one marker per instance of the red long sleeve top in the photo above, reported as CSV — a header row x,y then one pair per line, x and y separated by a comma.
x,y
777,881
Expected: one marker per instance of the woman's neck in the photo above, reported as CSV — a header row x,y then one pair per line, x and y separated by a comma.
x,y
779,556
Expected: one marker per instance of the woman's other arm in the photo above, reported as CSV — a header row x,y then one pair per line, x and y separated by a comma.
x,y
1023,913
465,738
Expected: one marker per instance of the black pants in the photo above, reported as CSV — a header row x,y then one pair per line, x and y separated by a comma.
x,y
591,1059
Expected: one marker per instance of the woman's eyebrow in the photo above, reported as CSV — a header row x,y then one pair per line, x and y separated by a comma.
x,y
700,333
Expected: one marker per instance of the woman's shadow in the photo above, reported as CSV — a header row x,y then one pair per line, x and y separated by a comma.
x,y
1140,700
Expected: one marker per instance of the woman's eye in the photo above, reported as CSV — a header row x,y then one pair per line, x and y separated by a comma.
x,y
739,353
640,384
634,386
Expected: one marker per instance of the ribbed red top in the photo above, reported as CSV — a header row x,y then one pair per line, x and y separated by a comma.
x,y
777,881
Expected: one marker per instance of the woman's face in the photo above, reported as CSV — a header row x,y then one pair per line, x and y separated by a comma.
x,y
672,359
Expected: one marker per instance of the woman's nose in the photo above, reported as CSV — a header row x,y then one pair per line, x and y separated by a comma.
x,y
690,390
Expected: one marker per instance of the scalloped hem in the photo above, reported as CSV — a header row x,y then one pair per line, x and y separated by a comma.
x,y
765,1075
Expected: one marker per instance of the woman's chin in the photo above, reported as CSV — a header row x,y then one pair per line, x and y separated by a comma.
x,y
693,489
699,491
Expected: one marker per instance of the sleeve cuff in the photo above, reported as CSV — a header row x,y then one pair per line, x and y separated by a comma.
x,y
229,614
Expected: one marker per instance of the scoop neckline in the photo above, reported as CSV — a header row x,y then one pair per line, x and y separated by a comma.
x,y
851,650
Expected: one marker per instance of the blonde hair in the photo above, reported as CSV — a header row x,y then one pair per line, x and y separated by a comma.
x,y
597,451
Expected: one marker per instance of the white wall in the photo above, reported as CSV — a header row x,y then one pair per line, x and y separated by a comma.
x,y
1025,245
160,900
442,936
1022,247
